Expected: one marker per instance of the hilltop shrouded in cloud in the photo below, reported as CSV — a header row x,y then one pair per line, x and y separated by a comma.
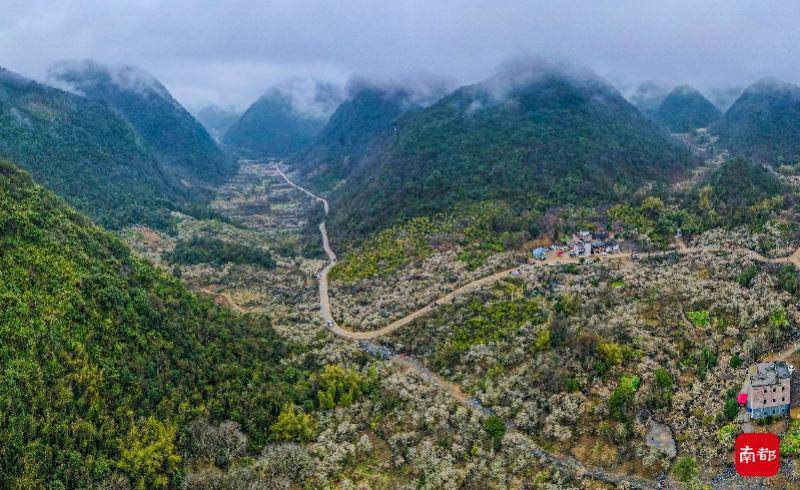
x,y
247,46
81,76
309,97
285,119
180,142
647,96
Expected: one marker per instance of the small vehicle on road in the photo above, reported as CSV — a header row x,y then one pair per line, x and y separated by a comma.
x,y
329,324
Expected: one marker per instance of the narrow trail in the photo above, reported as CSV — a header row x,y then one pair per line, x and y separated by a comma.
x,y
564,463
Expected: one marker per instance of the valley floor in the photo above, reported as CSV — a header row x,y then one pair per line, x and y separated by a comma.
x,y
544,346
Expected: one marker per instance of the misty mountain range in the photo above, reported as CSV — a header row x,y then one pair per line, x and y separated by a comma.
x,y
107,353
360,137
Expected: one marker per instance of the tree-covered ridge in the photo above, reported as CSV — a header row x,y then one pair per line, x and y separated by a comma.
x,y
217,119
105,359
647,96
549,140
83,151
207,250
181,143
685,109
275,126
763,123
740,192
360,124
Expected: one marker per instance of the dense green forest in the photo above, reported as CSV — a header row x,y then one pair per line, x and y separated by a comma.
x,y
83,151
685,109
741,192
738,193
105,360
205,250
647,96
274,127
359,125
180,142
217,120
547,141
764,123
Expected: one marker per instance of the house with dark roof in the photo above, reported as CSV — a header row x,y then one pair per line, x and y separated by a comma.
x,y
770,390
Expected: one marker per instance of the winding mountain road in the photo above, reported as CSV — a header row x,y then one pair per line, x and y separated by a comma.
x,y
479,283
563,462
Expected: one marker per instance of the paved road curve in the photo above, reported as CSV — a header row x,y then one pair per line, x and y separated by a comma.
x,y
565,463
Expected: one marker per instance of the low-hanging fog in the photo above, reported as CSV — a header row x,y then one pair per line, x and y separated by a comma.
x,y
230,52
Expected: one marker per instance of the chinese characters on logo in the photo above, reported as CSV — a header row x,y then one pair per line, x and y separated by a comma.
x,y
757,454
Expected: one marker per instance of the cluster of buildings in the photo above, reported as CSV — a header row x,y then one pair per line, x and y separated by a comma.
x,y
585,243
767,391
582,244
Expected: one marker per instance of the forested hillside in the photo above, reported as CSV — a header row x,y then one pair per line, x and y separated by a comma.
x,y
685,109
277,125
105,360
764,123
741,192
84,151
216,119
359,125
533,139
648,95
180,142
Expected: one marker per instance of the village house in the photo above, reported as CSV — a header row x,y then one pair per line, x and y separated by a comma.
x,y
768,392
585,243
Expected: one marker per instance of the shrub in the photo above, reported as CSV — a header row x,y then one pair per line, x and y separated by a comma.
x,y
699,318
685,469
778,318
663,378
727,434
542,341
622,398
611,352
790,442
205,250
148,455
495,427
293,425
731,409
747,276
787,279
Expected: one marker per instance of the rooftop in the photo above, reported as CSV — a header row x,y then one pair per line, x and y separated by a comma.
x,y
768,373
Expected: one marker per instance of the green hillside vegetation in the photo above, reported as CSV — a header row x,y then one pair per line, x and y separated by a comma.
x,y
648,96
105,359
479,229
358,126
548,141
205,250
217,120
83,151
764,123
685,109
738,193
741,192
180,142
273,127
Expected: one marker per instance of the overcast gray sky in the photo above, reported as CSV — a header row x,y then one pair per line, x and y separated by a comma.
x,y
230,51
